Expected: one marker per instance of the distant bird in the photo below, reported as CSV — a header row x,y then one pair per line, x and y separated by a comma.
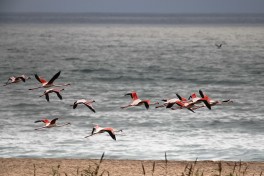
x,y
219,45
87,103
50,124
47,84
97,130
138,102
53,90
17,79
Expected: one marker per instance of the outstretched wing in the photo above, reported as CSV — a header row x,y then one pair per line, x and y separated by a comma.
x,y
54,121
205,99
59,95
93,130
54,77
47,96
111,134
89,105
180,98
133,95
41,80
146,104
43,120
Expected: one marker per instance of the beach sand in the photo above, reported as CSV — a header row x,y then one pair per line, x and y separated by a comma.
x,y
73,167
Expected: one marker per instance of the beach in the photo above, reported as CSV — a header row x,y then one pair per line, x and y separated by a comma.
x,y
44,167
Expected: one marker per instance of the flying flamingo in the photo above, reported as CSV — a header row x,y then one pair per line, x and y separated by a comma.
x,y
87,103
170,102
190,105
53,90
97,130
211,102
50,124
17,79
47,84
138,102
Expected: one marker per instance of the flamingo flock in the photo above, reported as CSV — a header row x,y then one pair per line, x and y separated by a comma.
x,y
192,103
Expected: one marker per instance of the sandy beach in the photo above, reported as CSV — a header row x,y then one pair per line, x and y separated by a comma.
x,y
44,167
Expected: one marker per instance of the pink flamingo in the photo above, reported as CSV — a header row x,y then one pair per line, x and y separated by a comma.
x,y
87,103
170,102
47,84
98,130
209,102
50,124
53,90
17,79
138,102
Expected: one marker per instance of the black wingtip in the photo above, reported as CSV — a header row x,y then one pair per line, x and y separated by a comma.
x,y
207,105
180,98
201,93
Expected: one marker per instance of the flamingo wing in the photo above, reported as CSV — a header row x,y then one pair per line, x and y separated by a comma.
x,y
54,121
41,80
169,105
89,105
74,106
59,95
47,96
21,78
110,132
93,130
133,95
191,110
146,104
180,98
179,103
205,99
207,104
43,120
54,77
201,93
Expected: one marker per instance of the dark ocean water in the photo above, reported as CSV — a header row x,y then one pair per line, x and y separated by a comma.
x,y
104,56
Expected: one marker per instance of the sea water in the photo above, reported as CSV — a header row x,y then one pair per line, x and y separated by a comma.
x,y
104,56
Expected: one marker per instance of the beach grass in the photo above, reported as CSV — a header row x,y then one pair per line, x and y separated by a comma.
x,y
106,167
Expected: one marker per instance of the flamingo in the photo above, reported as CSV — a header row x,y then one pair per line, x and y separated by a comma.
x,y
185,104
50,124
170,102
47,84
214,103
53,90
87,103
97,130
209,102
190,105
17,79
138,102
194,99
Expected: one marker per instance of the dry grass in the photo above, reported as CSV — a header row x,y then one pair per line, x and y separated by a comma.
x,y
102,167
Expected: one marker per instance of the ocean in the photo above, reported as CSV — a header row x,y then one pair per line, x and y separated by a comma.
x,y
105,56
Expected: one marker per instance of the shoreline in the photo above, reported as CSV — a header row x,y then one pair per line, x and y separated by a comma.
x,y
52,166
